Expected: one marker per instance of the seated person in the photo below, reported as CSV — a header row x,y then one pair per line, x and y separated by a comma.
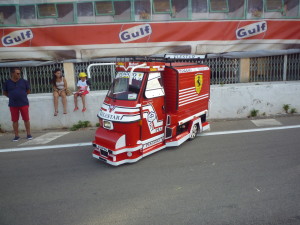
x,y
83,89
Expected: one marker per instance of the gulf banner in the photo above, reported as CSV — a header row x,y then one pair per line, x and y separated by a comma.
x,y
104,40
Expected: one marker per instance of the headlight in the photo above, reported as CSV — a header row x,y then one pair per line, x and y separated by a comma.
x,y
108,125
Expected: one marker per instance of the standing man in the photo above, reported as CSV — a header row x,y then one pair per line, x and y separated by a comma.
x,y
17,89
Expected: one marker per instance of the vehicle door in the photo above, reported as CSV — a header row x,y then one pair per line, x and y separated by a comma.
x,y
153,113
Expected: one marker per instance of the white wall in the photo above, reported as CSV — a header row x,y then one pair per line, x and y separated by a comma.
x,y
227,101
41,111
237,100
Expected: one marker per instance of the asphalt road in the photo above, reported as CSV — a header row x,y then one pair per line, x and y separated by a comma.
x,y
230,179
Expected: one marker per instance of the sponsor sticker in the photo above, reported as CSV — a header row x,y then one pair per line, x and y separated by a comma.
x,y
188,70
151,143
17,37
135,75
110,116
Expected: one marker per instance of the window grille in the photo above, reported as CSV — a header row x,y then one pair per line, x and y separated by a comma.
x,y
293,67
39,77
4,75
223,70
101,76
275,68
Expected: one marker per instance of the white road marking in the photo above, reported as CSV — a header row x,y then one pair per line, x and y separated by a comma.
x,y
266,122
45,147
90,144
44,139
248,130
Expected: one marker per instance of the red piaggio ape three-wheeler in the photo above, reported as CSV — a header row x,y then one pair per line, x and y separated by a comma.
x,y
151,106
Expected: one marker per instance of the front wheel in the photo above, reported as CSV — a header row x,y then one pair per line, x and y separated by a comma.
x,y
194,132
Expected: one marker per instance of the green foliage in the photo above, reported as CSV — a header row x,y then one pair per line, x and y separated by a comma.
x,y
80,124
1,131
97,124
286,107
293,110
254,112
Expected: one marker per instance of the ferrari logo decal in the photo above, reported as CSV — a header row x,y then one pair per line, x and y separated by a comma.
x,y
198,82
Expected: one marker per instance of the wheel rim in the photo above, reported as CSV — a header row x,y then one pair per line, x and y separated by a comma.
x,y
194,131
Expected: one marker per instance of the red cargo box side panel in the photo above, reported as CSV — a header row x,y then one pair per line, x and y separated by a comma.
x,y
194,90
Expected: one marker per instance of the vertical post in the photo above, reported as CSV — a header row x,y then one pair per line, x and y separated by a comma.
x,y
245,71
70,75
112,69
284,67
24,73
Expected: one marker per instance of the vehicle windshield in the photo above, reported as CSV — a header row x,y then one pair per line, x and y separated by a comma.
x,y
121,90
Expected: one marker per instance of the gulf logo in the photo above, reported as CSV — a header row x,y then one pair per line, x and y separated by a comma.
x,y
17,37
252,30
135,33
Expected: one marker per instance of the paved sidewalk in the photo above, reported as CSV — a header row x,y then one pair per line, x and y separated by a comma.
x,y
64,137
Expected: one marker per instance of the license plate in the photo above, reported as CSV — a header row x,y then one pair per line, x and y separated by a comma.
x,y
104,152
104,160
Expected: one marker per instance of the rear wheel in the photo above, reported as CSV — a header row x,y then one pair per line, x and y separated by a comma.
x,y
194,132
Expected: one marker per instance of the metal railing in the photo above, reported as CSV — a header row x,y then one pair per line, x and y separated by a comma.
x,y
293,67
223,70
275,68
264,69
4,75
39,77
101,76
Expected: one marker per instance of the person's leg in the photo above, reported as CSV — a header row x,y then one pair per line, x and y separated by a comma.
x,y
16,128
25,116
27,127
55,99
14,111
83,103
75,102
64,101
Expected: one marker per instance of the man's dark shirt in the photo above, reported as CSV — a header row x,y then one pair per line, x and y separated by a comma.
x,y
17,92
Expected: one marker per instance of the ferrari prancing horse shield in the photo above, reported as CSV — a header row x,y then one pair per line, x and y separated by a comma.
x,y
198,82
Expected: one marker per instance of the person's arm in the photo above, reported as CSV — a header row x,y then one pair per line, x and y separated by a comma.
x,y
5,92
54,88
78,87
27,87
88,82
